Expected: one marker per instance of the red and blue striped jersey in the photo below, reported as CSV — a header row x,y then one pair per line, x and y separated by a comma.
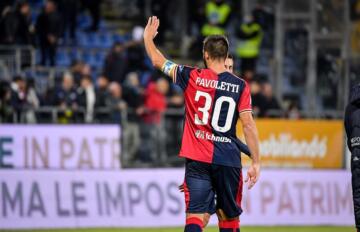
x,y
213,103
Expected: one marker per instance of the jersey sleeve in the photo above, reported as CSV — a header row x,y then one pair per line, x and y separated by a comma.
x,y
245,100
182,76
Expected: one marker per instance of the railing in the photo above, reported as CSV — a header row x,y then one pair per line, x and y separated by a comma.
x,y
17,57
50,114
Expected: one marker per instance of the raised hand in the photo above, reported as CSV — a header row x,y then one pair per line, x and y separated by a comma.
x,y
151,28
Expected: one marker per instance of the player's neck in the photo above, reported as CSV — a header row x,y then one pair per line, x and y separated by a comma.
x,y
217,67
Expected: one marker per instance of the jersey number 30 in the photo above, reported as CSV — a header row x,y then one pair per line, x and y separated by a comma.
x,y
216,112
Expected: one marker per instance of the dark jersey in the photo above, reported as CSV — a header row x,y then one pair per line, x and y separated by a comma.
x,y
213,103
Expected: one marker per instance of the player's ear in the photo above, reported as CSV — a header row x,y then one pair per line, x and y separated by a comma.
x,y
206,55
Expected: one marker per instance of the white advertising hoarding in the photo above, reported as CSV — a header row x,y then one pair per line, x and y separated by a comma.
x,y
60,147
150,198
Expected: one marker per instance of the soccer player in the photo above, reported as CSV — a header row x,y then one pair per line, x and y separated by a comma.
x,y
352,128
229,65
214,99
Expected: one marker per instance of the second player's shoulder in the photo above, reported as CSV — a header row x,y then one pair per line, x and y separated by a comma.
x,y
234,79
238,78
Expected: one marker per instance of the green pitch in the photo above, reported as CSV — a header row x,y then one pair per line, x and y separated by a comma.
x,y
212,229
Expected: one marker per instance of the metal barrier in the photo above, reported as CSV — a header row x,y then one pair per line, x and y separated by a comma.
x,y
52,114
17,57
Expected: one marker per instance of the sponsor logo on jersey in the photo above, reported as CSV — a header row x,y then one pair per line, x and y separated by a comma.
x,y
210,136
355,141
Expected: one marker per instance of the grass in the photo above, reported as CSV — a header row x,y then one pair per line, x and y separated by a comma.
x,y
211,229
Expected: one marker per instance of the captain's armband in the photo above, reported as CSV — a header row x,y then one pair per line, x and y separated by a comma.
x,y
168,68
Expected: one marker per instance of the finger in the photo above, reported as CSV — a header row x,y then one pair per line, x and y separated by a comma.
x,y
149,21
247,178
256,178
253,181
250,184
153,20
157,23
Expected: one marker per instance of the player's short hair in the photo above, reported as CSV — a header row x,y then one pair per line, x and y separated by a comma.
x,y
217,46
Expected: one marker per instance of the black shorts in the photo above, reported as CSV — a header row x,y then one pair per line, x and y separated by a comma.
x,y
203,181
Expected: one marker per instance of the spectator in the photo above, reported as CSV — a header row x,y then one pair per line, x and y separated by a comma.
x,y
155,101
153,131
355,10
174,122
66,95
216,18
196,16
87,97
7,25
258,100
136,52
102,92
271,103
66,98
94,8
18,96
250,35
217,14
24,27
133,97
69,11
48,28
23,100
6,109
76,69
4,4
86,70
264,16
176,99
32,100
103,100
118,105
115,63
160,9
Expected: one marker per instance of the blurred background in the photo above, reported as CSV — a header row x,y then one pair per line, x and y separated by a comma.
x,y
74,72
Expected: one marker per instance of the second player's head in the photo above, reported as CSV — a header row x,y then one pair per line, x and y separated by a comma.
x,y
215,49
229,63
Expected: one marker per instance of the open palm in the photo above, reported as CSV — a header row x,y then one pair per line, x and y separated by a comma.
x,y
151,28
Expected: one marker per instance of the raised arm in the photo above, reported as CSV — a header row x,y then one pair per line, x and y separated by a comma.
x,y
252,140
157,58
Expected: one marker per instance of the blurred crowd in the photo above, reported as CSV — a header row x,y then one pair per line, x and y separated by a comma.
x,y
125,80
56,21
79,99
